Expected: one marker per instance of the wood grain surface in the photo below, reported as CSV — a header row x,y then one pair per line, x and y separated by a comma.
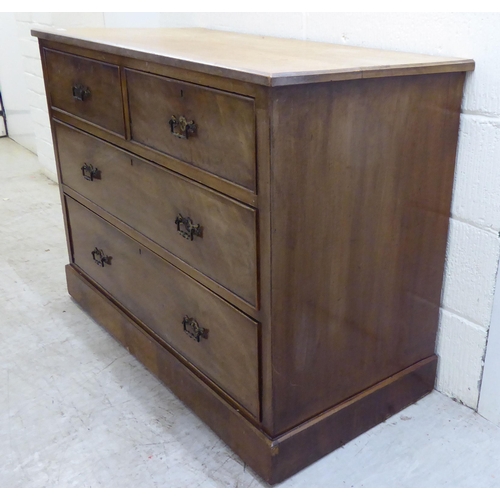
x,y
224,140
178,166
321,176
226,250
161,296
359,233
103,106
274,460
257,59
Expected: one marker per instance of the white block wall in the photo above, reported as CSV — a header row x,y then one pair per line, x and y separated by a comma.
x,y
489,402
474,245
13,85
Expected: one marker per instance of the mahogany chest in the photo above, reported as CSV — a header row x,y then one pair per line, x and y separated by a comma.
x,y
261,222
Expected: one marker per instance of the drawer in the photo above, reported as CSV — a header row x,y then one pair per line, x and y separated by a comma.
x,y
171,304
223,142
150,199
86,88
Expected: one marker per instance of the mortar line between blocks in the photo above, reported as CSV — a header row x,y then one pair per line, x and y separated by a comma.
x,y
470,322
477,226
487,117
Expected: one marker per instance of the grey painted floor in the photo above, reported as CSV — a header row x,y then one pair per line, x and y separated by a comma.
x,y
77,410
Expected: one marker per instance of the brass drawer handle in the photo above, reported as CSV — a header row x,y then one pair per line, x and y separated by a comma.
x,y
100,258
186,228
81,92
180,127
90,172
193,329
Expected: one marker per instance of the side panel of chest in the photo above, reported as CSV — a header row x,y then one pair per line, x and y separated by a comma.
x,y
361,189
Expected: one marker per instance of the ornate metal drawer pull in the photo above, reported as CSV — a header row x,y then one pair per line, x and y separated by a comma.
x,y
180,127
100,258
193,329
90,172
189,230
81,92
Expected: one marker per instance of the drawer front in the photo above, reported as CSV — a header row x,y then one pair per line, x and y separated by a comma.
x,y
171,304
86,88
154,201
223,142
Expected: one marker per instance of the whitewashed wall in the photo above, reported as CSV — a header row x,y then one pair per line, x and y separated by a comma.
x,y
489,402
474,245
13,84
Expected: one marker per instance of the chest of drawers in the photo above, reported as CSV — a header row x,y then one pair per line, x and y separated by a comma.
x,y
261,222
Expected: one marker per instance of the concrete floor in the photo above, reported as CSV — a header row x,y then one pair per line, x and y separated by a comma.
x,y
77,410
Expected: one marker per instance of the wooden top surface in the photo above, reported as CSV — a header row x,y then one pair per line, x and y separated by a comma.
x,y
251,58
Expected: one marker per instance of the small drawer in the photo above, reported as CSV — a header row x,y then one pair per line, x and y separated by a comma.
x,y
218,339
209,231
86,88
210,129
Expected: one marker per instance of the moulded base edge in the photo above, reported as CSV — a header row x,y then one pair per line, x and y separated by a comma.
x,y
274,459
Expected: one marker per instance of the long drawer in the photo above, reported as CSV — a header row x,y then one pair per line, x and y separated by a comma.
x,y
208,231
217,338
211,129
86,88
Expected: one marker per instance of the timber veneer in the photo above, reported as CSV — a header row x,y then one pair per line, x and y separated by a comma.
x,y
262,222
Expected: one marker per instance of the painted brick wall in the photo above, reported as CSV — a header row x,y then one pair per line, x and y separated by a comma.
x,y
13,84
474,245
